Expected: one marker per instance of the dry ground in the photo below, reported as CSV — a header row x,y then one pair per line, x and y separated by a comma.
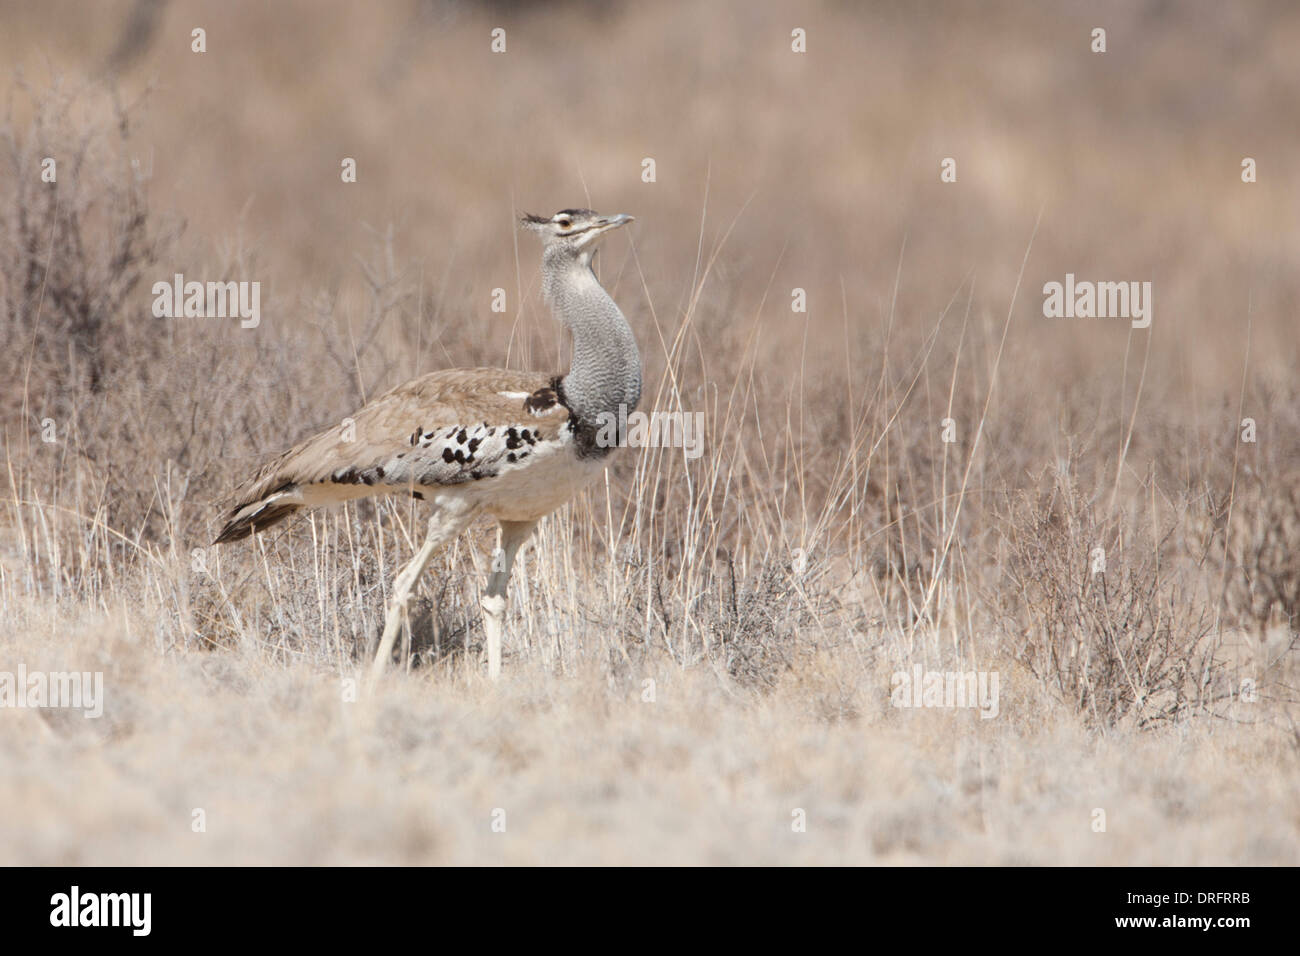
x,y
703,650
586,773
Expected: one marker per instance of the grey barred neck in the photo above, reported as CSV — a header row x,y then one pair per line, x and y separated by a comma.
x,y
605,375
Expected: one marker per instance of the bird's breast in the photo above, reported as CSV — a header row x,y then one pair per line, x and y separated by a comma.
x,y
541,483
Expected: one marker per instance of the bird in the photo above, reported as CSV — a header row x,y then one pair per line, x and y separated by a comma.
x,y
469,442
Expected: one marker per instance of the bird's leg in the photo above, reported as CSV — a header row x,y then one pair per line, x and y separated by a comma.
x,y
513,534
438,535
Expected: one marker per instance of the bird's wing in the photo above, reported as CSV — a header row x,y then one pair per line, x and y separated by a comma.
x,y
444,428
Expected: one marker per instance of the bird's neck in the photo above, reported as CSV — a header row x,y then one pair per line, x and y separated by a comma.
x,y
605,375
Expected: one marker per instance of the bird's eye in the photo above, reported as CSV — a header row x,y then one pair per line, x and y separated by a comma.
x,y
564,223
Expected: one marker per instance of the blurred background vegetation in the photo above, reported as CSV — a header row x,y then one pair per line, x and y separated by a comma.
x,y
775,170
827,538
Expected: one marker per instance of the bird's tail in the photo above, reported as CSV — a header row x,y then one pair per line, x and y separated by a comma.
x,y
254,516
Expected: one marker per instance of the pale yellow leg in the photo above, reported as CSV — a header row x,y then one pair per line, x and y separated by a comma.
x,y
495,598
443,528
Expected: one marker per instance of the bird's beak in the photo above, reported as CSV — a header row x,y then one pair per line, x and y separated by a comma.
x,y
613,222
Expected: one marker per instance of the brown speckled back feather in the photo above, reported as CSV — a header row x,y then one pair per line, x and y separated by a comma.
x,y
445,428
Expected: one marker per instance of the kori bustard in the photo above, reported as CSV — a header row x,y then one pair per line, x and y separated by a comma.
x,y
476,441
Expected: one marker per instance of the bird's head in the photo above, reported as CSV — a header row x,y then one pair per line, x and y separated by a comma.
x,y
572,233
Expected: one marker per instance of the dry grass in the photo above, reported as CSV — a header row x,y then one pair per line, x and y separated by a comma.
x,y
700,647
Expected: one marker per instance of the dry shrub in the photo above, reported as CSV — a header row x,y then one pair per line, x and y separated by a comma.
x,y
1106,624
73,251
1244,527
78,342
1265,556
